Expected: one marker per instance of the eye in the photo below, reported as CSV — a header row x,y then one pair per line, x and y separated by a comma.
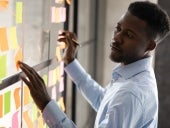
x,y
129,34
117,29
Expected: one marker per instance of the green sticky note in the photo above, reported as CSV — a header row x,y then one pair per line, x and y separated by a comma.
x,y
3,66
19,12
7,104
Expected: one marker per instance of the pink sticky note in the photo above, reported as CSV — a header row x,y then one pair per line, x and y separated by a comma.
x,y
61,68
62,14
53,14
54,93
15,120
61,87
50,78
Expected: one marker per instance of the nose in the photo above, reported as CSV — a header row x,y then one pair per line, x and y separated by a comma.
x,y
117,37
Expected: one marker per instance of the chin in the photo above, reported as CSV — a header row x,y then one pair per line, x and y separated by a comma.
x,y
116,59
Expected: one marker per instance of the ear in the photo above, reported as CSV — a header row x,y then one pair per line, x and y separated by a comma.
x,y
151,45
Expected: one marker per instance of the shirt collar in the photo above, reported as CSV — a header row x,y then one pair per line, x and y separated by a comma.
x,y
127,71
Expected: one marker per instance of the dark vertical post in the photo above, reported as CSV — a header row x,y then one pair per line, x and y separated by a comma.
x,y
162,72
75,25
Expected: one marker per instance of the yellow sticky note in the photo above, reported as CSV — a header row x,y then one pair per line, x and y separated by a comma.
x,y
45,78
18,57
58,53
3,40
59,1
57,15
19,7
13,38
60,103
3,66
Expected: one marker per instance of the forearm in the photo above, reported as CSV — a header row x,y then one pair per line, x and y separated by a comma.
x,y
92,91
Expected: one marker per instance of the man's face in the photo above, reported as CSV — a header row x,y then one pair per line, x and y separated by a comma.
x,y
130,41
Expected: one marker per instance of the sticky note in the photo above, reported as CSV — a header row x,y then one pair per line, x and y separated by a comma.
x,y
28,120
17,97
3,62
60,102
7,102
58,54
61,68
34,112
1,106
45,78
26,95
13,42
59,1
19,8
58,14
61,86
15,120
62,15
68,2
18,57
52,14
3,40
54,93
40,122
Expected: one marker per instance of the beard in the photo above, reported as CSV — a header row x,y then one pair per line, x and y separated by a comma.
x,y
120,57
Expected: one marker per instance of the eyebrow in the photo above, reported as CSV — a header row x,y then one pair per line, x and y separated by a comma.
x,y
118,24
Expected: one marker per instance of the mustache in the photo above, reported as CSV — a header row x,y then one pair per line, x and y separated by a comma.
x,y
115,45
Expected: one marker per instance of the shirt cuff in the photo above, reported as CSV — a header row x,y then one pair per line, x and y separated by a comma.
x,y
52,115
75,71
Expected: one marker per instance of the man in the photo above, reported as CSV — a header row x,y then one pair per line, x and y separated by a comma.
x,y
131,98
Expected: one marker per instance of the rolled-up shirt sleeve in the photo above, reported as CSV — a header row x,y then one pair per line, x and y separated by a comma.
x,y
55,118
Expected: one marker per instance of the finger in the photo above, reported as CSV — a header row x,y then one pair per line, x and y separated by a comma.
x,y
26,81
31,71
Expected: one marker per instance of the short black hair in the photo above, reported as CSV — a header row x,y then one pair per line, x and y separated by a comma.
x,y
156,18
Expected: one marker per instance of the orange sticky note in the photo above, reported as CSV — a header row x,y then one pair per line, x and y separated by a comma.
x,y
4,3
28,120
17,95
68,2
18,57
3,40
1,106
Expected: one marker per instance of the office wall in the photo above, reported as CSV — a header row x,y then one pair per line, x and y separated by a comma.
x,y
162,70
